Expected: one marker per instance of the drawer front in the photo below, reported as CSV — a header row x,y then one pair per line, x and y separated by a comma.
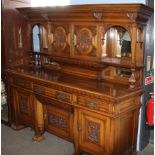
x,y
59,95
93,103
21,82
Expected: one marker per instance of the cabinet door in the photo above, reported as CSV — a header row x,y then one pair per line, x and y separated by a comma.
x,y
24,105
59,122
59,40
94,132
85,41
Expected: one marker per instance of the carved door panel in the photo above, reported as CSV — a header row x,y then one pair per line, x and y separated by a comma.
x,y
94,132
59,39
59,122
24,105
85,41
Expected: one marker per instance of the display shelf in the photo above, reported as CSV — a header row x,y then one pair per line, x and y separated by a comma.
x,y
120,62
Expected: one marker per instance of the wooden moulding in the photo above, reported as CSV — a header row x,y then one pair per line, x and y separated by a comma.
x,y
106,13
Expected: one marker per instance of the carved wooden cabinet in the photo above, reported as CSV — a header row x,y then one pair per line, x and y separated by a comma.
x,y
84,78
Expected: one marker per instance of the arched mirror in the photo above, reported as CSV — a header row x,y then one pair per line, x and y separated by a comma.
x,y
116,43
39,36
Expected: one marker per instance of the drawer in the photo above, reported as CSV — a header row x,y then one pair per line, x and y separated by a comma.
x,y
93,103
21,82
59,95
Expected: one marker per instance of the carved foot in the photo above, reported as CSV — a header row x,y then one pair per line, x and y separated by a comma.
x,y
38,138
17,127
134,153
77,152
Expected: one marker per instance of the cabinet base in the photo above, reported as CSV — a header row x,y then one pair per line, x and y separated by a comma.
x,y
17,127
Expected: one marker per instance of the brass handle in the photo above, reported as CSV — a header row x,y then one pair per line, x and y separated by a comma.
x,y
61,96
39,90
91,105
20,82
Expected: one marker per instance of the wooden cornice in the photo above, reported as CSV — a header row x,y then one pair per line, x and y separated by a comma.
x,y
99,12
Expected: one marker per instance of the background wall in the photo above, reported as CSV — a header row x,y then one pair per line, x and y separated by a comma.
x,y
146,132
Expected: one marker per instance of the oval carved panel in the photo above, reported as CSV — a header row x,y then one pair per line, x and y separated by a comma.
x,y
84,41
59,38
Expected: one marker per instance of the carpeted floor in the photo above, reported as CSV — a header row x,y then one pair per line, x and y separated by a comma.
x,y
20,143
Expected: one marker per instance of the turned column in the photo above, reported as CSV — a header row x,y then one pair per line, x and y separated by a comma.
x,y
39,121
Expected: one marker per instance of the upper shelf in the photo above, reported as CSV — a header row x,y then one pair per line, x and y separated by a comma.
x,y
101,12
119,62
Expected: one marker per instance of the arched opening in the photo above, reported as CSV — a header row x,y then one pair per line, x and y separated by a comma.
x,y
117,43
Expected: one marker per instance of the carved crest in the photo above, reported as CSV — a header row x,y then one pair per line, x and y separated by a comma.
x,y
59,38
132,15
84,40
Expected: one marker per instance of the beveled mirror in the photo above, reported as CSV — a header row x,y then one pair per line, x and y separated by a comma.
x,y
39,36
116,43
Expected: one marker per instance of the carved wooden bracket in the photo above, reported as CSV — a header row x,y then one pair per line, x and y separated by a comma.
x,y
132,79
20,38
45,16
141,43
98,15
26,16
132,15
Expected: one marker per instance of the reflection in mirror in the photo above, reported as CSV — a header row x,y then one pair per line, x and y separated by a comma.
x,y
126,45
116,43
39,38
123,72
36,38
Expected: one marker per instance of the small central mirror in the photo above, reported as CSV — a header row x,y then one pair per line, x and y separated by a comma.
x,y
39,36
116,43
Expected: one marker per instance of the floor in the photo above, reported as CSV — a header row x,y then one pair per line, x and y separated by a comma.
x,y
20,143
149,150
4,112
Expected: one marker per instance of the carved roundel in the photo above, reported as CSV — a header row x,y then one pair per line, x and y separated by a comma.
x,y
59,38
84,41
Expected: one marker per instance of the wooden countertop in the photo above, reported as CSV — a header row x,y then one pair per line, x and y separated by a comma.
x,y
115,92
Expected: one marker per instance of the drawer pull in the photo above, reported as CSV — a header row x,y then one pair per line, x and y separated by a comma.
x,y
61,96
20,82
39,90
91,105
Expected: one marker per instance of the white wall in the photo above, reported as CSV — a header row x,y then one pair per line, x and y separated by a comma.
x,y
104,1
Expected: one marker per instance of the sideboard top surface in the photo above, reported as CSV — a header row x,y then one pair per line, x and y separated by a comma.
x,y
114,92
